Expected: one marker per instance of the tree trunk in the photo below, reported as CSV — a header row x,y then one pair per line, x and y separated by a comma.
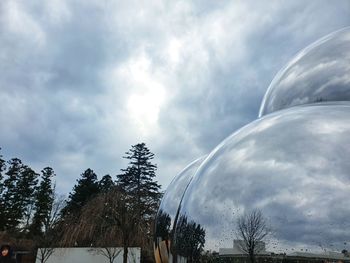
x,y
125,255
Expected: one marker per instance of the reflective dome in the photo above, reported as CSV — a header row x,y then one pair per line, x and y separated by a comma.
x,y
168,209
319,73
291,169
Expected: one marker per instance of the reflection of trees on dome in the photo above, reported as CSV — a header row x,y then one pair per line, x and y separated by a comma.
x,y
162,235
189,240
163,225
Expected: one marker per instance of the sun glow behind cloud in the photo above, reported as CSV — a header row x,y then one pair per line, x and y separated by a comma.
x,y
144,107
174,50
147,93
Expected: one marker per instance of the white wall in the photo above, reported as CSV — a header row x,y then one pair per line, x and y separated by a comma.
x,y
89,255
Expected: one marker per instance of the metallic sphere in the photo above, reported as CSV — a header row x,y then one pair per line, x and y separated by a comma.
x,y
290,170
319,73
168,210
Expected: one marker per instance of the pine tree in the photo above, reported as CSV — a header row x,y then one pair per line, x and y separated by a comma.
x,y
138,180
106,184
9,216
85,189
2,168
44,198
19,186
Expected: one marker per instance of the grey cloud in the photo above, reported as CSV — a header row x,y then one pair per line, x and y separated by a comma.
x,y
64,100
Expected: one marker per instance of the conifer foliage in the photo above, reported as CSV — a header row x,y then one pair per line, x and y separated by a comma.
x,y
138,183
138,180
2,168
106,184
85,189
25,201
2,204
43,203
19,186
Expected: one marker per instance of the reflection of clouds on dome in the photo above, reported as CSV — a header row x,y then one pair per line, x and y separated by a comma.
x,y
172,196
295,170
319,73
291,165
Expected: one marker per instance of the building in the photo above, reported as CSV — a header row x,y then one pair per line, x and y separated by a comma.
x,y
236,255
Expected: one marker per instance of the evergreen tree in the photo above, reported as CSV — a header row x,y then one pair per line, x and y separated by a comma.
x,y
9,215
2,168
85,189
106,184
26,186
19,186
138,180
143,192
44,198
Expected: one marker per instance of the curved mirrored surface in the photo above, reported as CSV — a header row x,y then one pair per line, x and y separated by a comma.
x,y
283,180
319,73
168,209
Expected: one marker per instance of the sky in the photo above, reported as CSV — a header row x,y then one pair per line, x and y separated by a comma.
x,y
82,81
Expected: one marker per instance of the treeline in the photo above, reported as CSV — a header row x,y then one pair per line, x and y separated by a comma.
x,y
111,212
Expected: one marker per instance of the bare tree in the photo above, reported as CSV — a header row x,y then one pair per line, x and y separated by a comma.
x,y
111,253
44,253
54,216
46,243
252,230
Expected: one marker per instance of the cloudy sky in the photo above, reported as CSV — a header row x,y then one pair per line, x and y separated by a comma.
x,y
81,81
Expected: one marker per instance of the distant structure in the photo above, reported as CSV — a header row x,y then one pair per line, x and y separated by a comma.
x,y
236,255
237,252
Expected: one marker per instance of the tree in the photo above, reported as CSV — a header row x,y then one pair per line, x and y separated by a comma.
x,y
9,216
49,237
26,191
137,180
44,198
106,222
2,168
252,230
106,184
111,253
18,194
83,191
